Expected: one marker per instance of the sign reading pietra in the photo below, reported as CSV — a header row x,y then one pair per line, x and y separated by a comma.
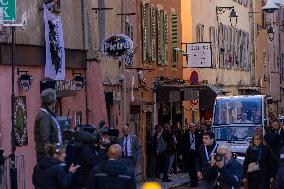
x,y
9,9
117,45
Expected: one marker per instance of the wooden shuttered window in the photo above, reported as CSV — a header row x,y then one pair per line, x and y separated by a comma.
x,y
129,31
234,48
175,54
200,32
166,39
213,39
146,32
160,29
221,45
154,33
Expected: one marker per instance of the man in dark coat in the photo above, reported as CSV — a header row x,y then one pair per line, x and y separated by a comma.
x,y
130,147
204,154
189,146
275,138
279,182
225,171
46,127
113,173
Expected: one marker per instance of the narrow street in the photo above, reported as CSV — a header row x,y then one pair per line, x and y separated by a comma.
x,y
141,90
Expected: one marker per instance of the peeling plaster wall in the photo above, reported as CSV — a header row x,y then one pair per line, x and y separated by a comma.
x,y
33,33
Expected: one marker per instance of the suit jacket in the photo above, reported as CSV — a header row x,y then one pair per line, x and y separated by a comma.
x,y
45,132
134,146
186,143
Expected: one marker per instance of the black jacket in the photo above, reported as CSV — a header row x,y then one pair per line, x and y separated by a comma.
x,y
50,174
45,132
202,164
186,143
112,174
279,181
267,163
275,139
229,175
87,156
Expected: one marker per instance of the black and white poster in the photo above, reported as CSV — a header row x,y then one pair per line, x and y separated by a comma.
x,y
55,54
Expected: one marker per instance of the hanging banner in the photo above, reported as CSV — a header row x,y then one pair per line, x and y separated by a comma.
x,y
20,121
55,54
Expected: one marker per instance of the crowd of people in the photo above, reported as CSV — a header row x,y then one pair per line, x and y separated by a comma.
x,y
191,149
87,159
194,150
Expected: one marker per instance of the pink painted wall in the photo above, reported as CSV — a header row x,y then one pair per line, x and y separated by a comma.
x,y
95,92
77,102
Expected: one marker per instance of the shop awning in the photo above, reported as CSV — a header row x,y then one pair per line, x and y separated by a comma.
x,y
207,96
177,92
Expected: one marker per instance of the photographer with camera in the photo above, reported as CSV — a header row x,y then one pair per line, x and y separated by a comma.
x,y
225,171
88,147
83,148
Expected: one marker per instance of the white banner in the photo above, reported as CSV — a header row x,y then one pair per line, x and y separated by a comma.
x,y
199,55
55,53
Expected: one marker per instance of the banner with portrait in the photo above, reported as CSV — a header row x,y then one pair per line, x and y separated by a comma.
x,y
20,121
55,53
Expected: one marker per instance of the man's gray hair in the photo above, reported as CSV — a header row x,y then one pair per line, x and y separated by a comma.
x,y
225,147
48,96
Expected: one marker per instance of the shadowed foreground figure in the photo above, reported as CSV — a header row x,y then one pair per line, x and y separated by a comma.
x,y
112,173
50,173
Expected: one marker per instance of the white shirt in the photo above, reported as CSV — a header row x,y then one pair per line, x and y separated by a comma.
x,y
192,141
57,125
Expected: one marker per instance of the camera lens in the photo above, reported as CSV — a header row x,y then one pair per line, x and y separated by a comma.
x,y
218,157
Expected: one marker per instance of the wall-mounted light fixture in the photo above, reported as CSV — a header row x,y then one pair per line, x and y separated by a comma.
x,y
270,33
181,51
25,80
272,5
233,14
51,5
79,80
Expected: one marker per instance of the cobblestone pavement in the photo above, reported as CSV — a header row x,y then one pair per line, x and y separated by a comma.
x,y
184,186
177,180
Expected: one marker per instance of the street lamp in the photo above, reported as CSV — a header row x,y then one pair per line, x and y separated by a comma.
x,y
272,5
233,14
13,168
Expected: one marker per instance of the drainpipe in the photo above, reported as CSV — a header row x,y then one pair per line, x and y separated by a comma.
x,y
85,26
85,29
123,70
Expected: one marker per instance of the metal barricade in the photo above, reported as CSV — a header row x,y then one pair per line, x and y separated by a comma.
x,y
20,165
